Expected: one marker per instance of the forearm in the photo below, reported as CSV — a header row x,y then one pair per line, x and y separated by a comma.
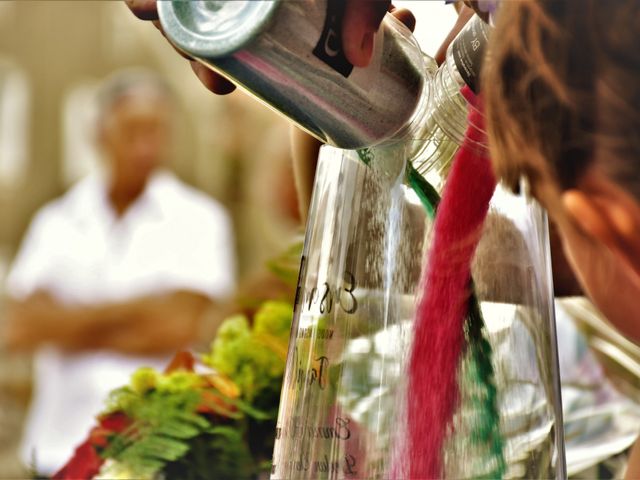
x,y
40,319
304,152
153,323
464,15
157,324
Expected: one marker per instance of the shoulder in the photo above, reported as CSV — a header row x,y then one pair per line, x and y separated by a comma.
x,y
70,210
60,210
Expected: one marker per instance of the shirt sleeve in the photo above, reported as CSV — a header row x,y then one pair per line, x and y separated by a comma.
x,y
31,266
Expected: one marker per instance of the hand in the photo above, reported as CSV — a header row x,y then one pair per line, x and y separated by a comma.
x,y
482,7
362,20
363,17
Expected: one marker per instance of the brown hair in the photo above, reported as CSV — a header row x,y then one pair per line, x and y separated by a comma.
x,y
562,91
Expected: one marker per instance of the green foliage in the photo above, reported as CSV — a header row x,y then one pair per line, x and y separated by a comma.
x,y
254,358
144,379
179,381
365,155
273,318
261,430
163,424
171,438
220,453
287,265
234,328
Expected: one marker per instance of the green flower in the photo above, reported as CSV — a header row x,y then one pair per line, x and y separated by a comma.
x,y
273,318
254,358
143,380
233,328
179,381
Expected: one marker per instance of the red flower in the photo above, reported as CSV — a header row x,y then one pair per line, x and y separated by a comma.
x,y
115,422
214,404
183,360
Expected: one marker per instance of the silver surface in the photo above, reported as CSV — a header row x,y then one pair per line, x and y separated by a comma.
x,y
215,28
274,61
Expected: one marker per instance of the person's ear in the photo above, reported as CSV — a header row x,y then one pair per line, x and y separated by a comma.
x,y
587,214
606,213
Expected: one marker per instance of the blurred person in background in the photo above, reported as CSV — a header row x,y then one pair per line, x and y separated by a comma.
x,y
116,274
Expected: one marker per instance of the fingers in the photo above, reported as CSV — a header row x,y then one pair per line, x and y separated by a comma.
x,y
361,21
482,7
157,24
143,9
405,16
211,80
463,17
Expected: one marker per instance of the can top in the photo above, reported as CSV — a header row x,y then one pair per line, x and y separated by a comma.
x,y
214,28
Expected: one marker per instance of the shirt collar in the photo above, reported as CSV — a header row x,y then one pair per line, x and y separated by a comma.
x,y
91,202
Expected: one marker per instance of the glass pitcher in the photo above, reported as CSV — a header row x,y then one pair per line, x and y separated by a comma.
x,y
342,410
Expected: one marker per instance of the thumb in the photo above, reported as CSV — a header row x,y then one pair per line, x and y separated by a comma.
x,y
361,21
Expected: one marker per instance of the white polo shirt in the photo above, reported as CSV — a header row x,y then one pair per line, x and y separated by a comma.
x,y
172,238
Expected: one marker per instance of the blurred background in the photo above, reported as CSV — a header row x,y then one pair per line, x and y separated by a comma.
x,y
53,56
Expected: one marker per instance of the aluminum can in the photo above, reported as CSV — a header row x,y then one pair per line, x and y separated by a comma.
x,y
288,54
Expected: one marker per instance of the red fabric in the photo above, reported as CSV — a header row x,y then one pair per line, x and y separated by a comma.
x,y
86,461
85,464
435,358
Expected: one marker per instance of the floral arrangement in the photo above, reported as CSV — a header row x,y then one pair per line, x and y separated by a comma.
x,y
206,416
